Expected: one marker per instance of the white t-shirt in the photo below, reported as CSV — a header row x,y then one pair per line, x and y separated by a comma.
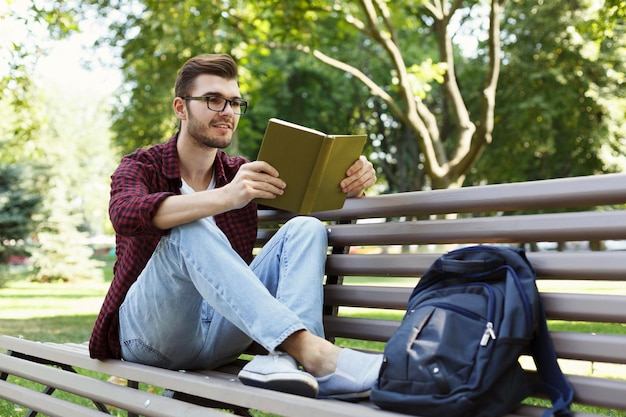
x,y
186,189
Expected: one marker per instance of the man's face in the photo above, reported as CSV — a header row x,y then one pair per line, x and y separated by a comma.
x,y
207,127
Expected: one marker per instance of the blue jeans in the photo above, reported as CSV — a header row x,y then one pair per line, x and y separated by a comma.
x,y
197,304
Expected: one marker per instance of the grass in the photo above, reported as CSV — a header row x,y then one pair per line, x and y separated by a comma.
x,y
60,313
66,313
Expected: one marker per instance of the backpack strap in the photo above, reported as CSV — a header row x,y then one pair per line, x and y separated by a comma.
x,y
553,382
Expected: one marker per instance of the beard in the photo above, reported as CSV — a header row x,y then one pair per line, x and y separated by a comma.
x,y
199,132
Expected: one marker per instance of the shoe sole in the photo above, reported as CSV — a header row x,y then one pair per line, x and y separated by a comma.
x,y
289,383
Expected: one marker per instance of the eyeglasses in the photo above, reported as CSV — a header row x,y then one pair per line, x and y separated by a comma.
x,y
218,103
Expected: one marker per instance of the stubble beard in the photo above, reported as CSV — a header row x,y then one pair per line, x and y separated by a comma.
x,y
199,133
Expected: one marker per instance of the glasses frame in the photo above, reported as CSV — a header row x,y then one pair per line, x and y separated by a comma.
x,y
243,104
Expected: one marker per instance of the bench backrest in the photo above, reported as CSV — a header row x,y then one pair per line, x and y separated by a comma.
x,y
393,239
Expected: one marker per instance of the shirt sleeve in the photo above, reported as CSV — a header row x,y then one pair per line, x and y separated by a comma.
x,y
133,204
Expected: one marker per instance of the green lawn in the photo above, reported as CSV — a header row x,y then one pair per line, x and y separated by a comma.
x,y
66,313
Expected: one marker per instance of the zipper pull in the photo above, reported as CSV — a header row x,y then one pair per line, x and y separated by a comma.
x,y
489,334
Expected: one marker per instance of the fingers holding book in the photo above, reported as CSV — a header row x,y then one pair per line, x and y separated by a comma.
x,y
359,177
256,180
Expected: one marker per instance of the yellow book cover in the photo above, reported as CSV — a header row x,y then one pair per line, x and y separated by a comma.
x,y
312,163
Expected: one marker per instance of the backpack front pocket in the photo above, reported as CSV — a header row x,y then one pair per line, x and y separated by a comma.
x,y
463,319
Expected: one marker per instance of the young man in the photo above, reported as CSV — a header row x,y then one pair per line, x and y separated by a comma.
x,y
187,292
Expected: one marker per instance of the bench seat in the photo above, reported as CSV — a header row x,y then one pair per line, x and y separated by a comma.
x,y
220,385
378,248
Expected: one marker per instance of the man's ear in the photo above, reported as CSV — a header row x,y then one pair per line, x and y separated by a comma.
x,y
179,108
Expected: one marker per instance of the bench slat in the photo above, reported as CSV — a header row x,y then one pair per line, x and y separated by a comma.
x,y
43,403
140,402
608,393
585,307
503,229
571,345
186,380
590,347
548,265
535,411
572,307
585,265
404,265
366,296
359,328
588,191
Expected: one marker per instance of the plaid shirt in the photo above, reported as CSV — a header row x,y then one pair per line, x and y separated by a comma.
x,y
140,183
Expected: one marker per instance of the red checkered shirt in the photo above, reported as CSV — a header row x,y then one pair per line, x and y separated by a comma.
x,y
140,183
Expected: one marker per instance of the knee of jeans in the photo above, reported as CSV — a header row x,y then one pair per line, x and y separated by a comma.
x,y
320,230
310,224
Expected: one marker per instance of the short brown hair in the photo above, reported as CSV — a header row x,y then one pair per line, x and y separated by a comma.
x,y
222,65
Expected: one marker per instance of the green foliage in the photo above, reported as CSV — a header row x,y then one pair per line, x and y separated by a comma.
x,y
155,38
272,41
558,112
19,202
549,119
21,52
62,253
63,133
79,160
295,87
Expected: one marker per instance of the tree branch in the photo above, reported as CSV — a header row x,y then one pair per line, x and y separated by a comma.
x,y
457,4
465,126
384,11
419,118
485,125
435,9
374,88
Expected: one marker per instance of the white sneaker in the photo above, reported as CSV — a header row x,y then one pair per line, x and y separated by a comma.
x,y
279,372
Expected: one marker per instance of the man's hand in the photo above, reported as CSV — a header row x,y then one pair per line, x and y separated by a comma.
x,y
359,176
254,180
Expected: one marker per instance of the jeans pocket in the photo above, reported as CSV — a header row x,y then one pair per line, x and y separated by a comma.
x,y
135,350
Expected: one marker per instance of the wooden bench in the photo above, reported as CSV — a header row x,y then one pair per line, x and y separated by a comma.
x,y
391,240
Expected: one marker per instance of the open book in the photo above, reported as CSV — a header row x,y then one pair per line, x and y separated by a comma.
x,y
312,164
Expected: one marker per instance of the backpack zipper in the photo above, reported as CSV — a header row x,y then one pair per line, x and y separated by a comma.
x,y
489,333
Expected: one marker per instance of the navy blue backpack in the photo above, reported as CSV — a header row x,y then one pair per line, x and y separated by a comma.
x,y
455,354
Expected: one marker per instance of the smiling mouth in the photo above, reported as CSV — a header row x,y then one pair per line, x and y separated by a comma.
x,y
222,125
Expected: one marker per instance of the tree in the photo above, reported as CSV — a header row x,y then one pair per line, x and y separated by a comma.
x,y
62,133
23,24
240,27
559,102
79,161
19,202
428,102
445,164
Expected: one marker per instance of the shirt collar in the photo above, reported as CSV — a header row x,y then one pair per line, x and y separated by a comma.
x,y
171,168
218,169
